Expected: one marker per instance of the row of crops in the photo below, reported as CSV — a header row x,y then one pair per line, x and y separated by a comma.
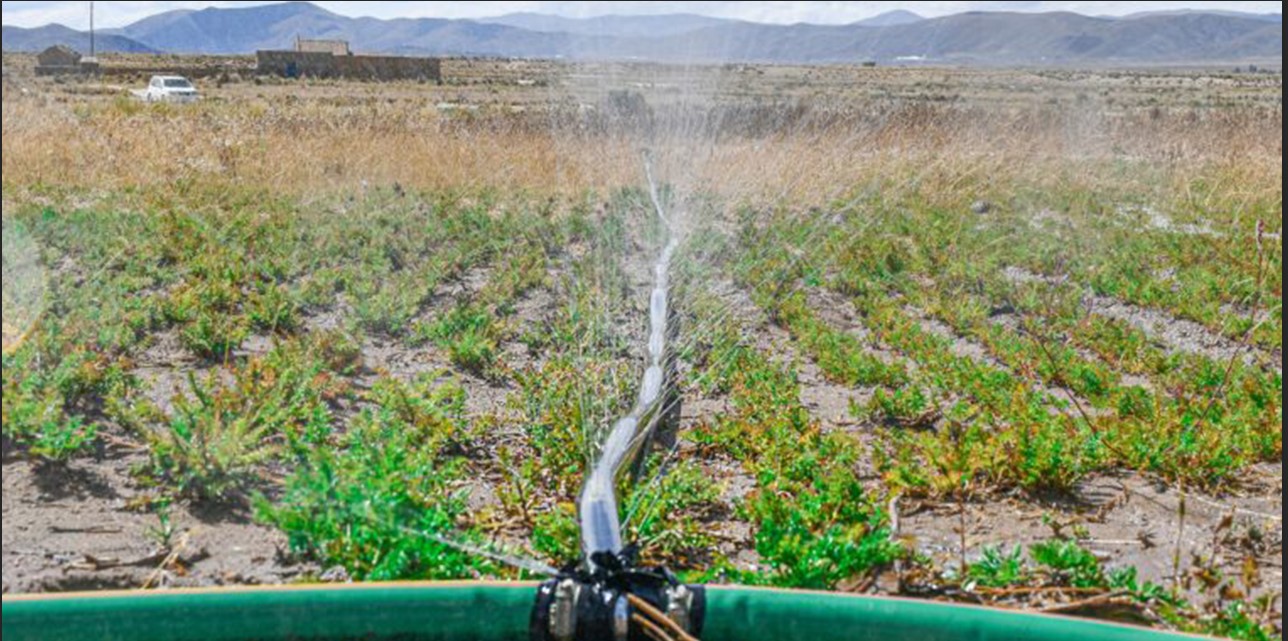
x,y
356,370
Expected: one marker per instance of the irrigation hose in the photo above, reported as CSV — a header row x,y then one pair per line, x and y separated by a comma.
x,y
597,506
480,611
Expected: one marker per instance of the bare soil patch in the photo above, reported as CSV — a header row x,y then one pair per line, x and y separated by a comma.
x,y
1125,518
73,526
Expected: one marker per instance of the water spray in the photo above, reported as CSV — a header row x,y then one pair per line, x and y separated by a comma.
x,y
607,595
25,286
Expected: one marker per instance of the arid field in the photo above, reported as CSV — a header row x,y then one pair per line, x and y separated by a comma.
x,y
1005,337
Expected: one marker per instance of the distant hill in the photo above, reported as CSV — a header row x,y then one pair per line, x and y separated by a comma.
x,y
1263,17
1000,39
247,29
618,26
987,39
890,19
976,38
41,38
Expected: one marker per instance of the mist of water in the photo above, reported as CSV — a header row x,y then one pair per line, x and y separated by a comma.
x,y
24,283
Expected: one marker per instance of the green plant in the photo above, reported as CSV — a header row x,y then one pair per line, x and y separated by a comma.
x,y
386,307
429,404
1061,564
209,448
821,536
41,401
815,525
997,569
216,440
163,532
903,407
1069,563
556,532
663,517
214,335
273,310
469,335
380,503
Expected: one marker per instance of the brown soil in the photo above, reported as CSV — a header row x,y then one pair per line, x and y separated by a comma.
x,y
85,524
1127,519
74,526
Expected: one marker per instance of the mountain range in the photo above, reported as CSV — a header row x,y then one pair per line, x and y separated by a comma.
x,y
18,39
986,38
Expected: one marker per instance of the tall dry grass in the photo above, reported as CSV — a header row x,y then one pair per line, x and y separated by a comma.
x,y
756,148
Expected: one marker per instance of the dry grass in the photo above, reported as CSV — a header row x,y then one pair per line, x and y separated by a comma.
x,y
766,139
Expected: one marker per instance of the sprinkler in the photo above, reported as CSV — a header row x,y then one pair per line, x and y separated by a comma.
x,y
617,601
607,595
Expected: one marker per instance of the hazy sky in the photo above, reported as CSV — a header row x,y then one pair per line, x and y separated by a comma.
x,y
114,14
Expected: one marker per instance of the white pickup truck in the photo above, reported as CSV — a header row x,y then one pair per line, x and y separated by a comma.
x,y
168,89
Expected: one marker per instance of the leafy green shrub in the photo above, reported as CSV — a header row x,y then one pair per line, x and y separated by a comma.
x,y
216,441
662,514
386,307
998,569
380,503
273,310
210,448
560,404
1234,622
815,525
818,537
435,408
1064,563
41,425
214,335
904,406
468,333
472,352
337,351
1070,563
44,394
1136,402
838,353
556,533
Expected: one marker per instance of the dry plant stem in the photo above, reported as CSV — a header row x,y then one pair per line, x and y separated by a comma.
x,y
1180,541
97,529
1077,404
659,617
895,526
1042,589
167,562
961,529
651,630
523,494
1238,510
1103,599
22,338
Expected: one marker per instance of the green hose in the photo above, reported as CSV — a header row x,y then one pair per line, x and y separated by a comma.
x,y
787,615
499,612
428,611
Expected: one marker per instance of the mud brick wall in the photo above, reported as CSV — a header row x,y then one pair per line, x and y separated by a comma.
x,y
296,64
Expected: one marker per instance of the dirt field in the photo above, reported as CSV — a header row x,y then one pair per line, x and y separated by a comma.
x,y
992,336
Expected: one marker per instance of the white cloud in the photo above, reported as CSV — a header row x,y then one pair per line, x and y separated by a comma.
x,y
115,14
